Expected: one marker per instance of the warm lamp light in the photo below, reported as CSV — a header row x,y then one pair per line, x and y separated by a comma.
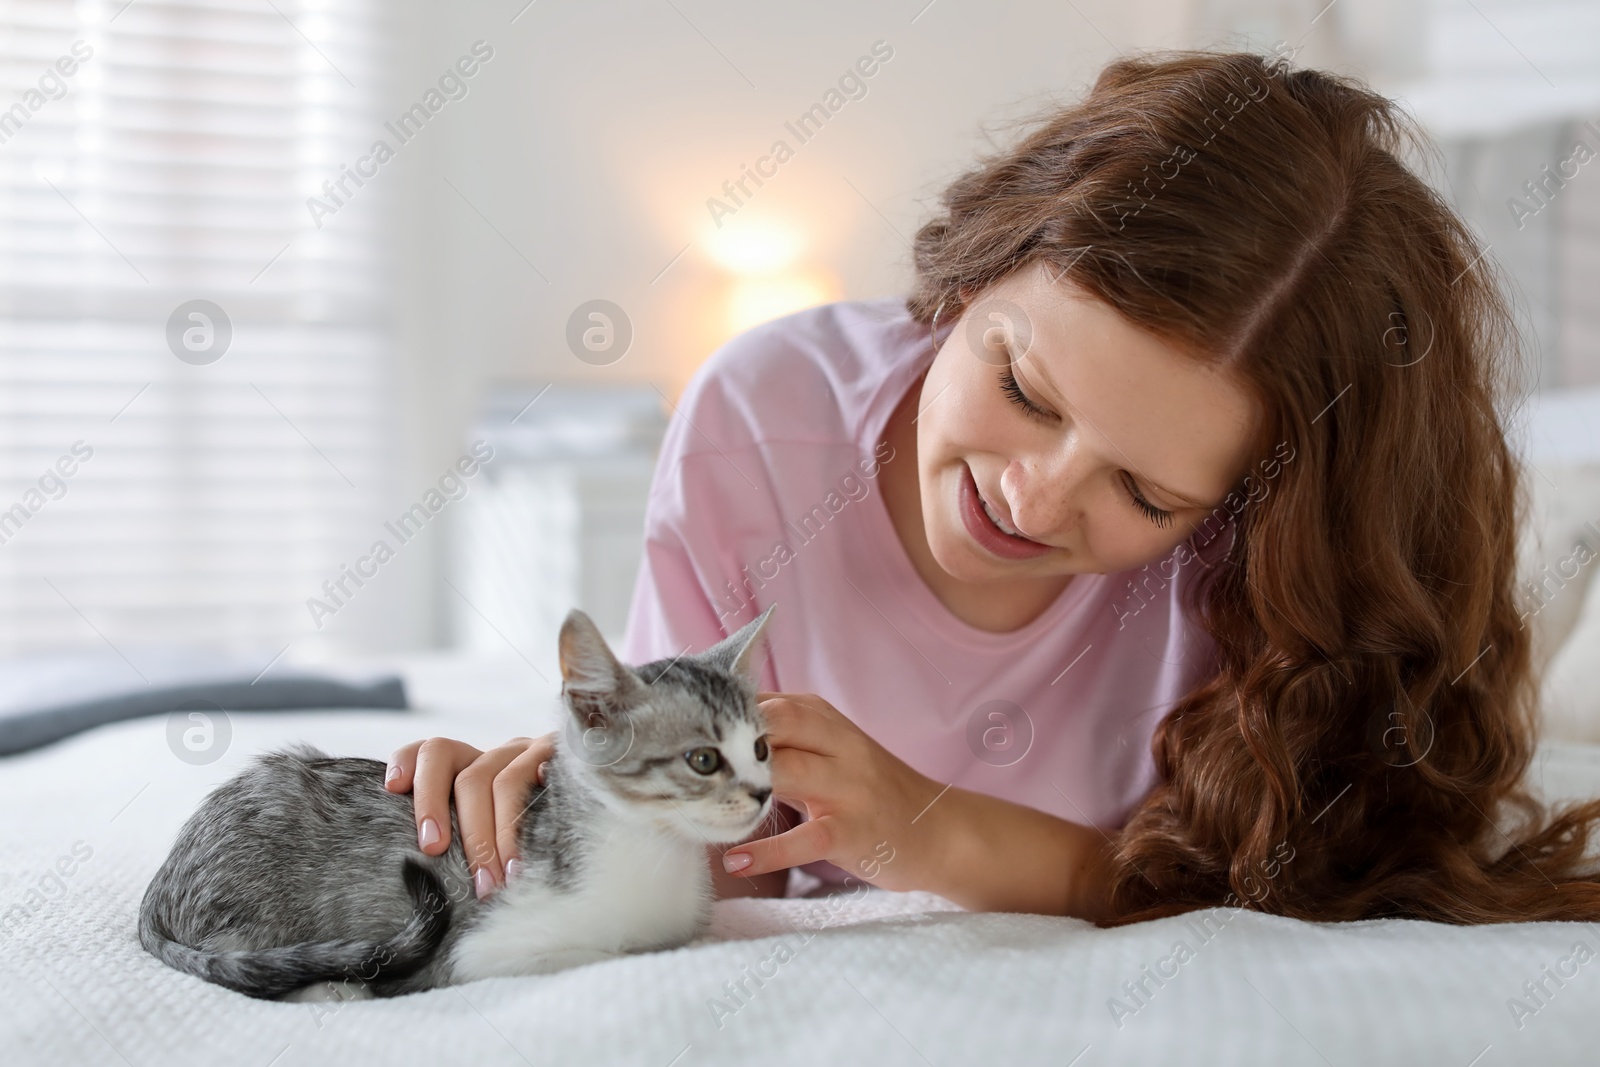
x,y
754,247
752,301
763,256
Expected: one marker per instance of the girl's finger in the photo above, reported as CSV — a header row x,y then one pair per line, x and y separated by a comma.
x,y
801,776
807,842
810,700
475,811
516,789
439,760
397,777
820,709
797,726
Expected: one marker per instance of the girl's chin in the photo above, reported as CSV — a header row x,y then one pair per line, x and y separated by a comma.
x,y
964,561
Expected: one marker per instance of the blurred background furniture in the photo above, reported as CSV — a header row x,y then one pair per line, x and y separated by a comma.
x,y
376,310
559,522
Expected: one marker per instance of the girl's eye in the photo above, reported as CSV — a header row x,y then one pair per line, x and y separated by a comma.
x,y
1013,389
704,760
1156,515
1010,386
761,749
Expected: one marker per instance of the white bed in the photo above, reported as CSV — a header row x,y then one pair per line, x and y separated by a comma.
x,y
888,978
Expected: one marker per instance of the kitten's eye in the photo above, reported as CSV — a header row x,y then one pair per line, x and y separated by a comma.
x,y
704,760
761,749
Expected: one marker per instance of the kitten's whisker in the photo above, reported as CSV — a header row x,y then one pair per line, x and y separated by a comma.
x,y
768,823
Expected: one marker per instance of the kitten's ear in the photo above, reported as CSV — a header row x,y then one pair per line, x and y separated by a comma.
x,y
736,653
588,666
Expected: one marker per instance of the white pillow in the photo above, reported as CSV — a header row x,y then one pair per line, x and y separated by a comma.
x,y
1571,694
1560,554
1564,502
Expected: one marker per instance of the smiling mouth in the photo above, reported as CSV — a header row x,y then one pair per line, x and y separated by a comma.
x,y
994,517
989,530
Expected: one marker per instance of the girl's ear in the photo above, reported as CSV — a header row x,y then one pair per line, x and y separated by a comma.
x,y
735,653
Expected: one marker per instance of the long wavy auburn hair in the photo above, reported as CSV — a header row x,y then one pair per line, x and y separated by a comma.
x,y
1361,750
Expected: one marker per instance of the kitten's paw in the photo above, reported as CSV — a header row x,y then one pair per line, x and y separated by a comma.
x,y
564,959
325,992
542,961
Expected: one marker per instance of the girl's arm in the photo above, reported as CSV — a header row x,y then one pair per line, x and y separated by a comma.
x,y
874,815
988,854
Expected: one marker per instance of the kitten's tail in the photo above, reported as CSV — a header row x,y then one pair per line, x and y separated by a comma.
x,y
271,972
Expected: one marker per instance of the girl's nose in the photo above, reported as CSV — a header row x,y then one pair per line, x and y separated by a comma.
x,y
1043,501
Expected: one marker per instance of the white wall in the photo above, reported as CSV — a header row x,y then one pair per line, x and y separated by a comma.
x,y
593,138
589,145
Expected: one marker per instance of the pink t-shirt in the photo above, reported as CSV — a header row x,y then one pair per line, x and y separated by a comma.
x,y
765,492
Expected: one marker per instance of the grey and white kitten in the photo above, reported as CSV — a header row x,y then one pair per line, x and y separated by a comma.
x,y
303,870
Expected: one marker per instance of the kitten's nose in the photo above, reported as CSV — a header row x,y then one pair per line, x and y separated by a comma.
x,y
761,795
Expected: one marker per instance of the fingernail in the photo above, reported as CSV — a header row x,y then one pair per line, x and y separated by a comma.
x,y
483,882
736,861
542,766
513,870
428,834
392,773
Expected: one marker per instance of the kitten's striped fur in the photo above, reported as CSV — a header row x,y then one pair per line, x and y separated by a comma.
x,y
304,870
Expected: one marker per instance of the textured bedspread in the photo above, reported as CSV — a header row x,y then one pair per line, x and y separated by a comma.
x,y
881,978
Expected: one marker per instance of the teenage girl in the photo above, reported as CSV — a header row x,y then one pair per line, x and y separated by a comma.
x,y
1157,552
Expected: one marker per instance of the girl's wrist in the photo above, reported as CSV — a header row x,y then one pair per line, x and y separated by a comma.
x,y
987,854
942,848
904,851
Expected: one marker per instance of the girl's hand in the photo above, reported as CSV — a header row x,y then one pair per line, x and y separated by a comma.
x,y
491,793
864,805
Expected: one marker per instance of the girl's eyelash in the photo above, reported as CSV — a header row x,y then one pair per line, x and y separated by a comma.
x,y
1008,385
1156,515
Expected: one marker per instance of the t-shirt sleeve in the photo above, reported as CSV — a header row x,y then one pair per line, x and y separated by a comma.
x,y
671,612
676,606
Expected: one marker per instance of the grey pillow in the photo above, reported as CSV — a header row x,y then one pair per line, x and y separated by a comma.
x,y
47,698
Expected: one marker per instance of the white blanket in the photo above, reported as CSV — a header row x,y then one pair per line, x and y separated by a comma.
x,y
883,978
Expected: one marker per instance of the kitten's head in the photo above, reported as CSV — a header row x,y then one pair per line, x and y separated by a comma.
x,y
680,741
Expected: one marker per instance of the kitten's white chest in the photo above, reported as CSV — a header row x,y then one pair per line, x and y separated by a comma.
x,y
639,889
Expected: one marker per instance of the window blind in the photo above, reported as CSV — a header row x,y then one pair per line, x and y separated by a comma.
x,y
1514,87
207,497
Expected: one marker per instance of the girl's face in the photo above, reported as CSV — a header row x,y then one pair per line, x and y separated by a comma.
x,y
1100,444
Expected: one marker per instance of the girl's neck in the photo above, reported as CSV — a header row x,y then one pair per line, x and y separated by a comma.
x,y
999,607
